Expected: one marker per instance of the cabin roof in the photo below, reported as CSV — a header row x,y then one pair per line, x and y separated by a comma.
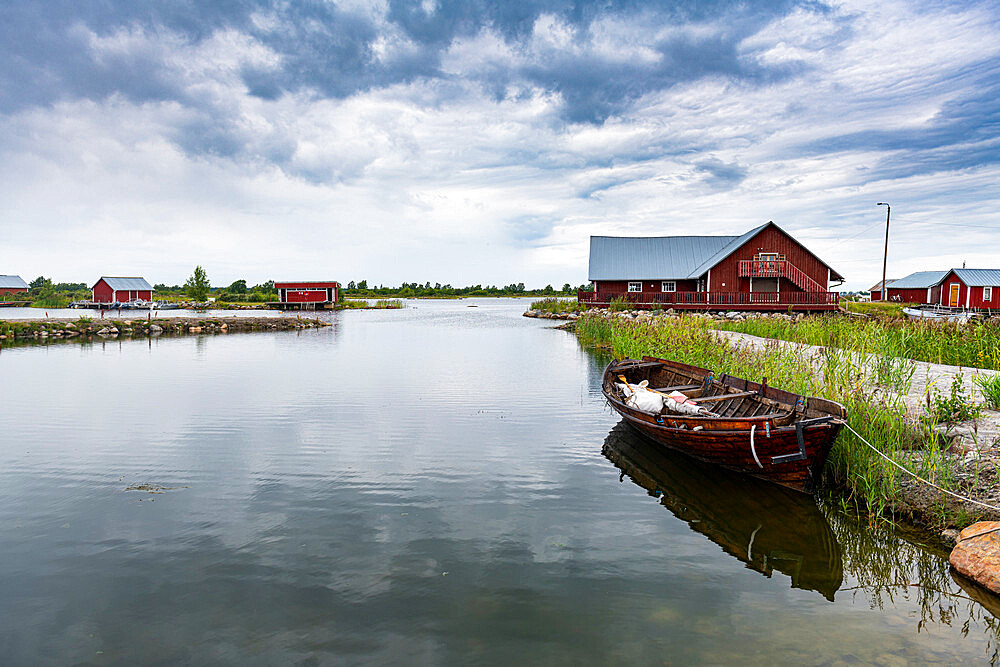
x,y
977,277
12,282
126,283
918,280
651,257
877,287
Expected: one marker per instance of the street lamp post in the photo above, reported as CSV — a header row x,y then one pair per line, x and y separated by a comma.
x,y
885,257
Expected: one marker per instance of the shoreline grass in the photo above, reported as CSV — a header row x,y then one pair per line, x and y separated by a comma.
x,y
556,306
878,414
973,345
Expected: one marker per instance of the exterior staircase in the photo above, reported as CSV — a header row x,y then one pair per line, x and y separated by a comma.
x,y
781,268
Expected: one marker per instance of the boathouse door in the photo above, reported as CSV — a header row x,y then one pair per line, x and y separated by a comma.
x,y
955,288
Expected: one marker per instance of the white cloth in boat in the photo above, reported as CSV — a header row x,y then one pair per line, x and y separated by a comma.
x,y
640,397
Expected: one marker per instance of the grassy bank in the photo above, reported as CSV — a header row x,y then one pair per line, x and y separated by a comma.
x,y
557,306
878,413
976,344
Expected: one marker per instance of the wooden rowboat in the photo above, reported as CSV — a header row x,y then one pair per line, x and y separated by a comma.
x,y
762,431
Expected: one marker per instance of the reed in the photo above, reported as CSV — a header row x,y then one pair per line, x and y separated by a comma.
x,y
976,344
382,304
557,306
877,413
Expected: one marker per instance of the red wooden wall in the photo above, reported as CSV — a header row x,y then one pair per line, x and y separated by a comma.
x,y
971,297
725,275
647,285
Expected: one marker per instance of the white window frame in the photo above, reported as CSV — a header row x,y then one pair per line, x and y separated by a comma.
x,y
672,286
988,293
635,286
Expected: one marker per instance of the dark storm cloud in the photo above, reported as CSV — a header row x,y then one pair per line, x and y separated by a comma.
x,y
323,48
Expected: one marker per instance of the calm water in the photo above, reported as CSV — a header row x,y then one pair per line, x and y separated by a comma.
x,y
438,485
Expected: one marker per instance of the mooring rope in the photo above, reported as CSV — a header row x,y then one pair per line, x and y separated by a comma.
x,y
913,474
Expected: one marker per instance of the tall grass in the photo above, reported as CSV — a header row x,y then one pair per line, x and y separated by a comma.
x,y
877,413
553,305
976,344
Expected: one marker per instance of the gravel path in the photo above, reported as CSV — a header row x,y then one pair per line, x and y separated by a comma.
x,y
927,377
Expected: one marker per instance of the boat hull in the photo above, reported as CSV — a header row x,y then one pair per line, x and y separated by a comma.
x,y
790,454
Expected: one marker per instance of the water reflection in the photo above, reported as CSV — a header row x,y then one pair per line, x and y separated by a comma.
x,y
765,526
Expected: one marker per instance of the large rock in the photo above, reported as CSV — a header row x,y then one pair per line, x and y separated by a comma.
x,y
977,554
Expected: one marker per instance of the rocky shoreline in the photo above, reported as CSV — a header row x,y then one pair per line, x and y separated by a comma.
x,y
26,331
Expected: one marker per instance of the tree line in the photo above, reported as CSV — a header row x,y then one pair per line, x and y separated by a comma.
x,y
198,288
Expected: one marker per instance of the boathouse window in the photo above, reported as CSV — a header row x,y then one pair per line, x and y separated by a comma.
x,y
635,287
668,286
987,294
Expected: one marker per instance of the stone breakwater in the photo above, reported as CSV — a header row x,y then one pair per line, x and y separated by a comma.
x,y
108,328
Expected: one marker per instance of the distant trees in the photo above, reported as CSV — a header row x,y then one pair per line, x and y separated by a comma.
x,y
238,287
425,289
197,285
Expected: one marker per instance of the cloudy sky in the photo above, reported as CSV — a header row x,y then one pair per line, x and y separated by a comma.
x,y
484,141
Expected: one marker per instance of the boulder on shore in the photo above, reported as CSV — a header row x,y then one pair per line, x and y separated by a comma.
x,y
977,554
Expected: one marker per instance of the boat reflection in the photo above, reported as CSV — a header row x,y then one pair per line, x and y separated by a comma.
x,y
764,525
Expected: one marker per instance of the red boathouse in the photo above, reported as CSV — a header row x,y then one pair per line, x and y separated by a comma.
x,y
12,285
117,289
763,269
307,294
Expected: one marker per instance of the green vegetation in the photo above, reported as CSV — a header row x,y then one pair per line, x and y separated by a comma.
x,y
878,415
618,304
976,344
388,304
889,309
197,285
426,290
554,305
953,408
43,293
990,386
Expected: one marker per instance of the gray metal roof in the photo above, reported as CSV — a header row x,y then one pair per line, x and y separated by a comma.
x,y
727,250
877,287
651,257
978,277
122,283
12,282
918,280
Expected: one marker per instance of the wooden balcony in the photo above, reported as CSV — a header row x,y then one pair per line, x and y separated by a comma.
x,y
779,268
760,301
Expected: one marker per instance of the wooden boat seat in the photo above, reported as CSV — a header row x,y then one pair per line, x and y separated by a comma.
x,y
637,366
724,397
678,387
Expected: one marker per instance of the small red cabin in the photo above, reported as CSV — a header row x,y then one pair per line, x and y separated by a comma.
x,y
971,288
118,289
763,269
312,293
12,285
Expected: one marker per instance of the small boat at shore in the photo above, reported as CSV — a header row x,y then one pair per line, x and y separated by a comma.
x,y
938,314
745,426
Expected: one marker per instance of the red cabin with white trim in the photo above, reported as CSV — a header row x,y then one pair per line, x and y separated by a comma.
x,y
971,288
119,289
308,292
